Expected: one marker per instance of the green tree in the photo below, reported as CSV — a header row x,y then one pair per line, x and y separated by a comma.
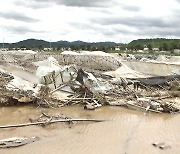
x,y
83,47
88,48
93,48
122,47
130,47
59,48
101,48
174,46
165,47
113,48
149,46
73,47
161,48
139,47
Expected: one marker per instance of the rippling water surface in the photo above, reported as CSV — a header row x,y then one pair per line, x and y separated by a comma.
x,y
127,131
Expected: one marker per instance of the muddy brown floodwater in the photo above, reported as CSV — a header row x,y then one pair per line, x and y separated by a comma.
x,y
127,131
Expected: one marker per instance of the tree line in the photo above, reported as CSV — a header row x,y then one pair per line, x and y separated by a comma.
x,y
161,43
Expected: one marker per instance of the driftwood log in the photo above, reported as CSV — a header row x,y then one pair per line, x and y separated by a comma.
x,y
50,122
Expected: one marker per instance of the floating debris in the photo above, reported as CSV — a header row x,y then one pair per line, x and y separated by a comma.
x,y
161,145
16,142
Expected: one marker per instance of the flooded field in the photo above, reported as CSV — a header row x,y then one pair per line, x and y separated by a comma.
x,y
127,131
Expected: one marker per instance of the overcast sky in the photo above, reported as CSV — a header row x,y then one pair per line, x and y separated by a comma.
x,y
89,20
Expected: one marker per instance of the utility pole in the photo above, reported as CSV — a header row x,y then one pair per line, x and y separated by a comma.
x,y
153,43
3,43
50,44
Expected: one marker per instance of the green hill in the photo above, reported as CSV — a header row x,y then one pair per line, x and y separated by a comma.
x,y
34,43
161,43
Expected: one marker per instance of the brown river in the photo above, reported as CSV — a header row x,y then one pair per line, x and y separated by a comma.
x,y
126,132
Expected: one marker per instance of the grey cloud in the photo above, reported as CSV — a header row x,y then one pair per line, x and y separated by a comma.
x,y
131,8
32,4
124,31
178,1
128,7
82,26
107,31
104,11
113,32
176,14
138,22
17,16
20,29
140,26
79,3
36,4
144,32
160,32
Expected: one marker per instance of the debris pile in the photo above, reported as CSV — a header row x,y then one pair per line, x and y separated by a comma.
x,y
69,85
13,97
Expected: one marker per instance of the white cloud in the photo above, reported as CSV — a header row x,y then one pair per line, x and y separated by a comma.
x,y
95,20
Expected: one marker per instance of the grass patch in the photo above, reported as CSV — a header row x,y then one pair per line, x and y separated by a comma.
x,y
144,53
54,51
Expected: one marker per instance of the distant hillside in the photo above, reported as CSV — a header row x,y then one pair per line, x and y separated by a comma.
x,y
33,43
30,43
161,43
157,42
6,45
